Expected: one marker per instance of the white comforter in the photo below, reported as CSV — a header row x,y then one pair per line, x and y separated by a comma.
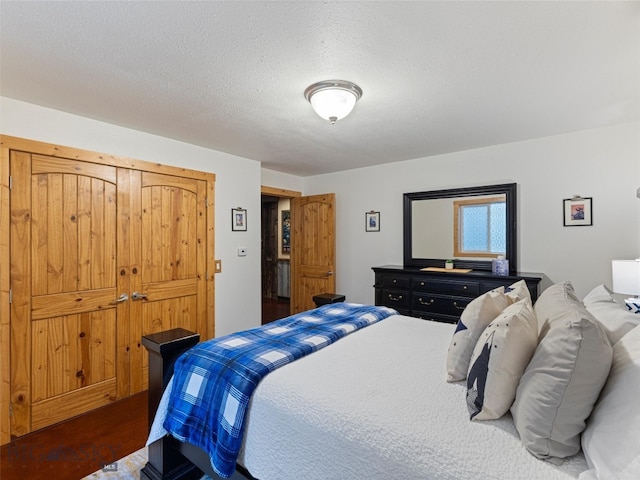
x,y
375,405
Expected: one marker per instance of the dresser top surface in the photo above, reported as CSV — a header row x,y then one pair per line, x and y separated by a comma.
x,y
474,273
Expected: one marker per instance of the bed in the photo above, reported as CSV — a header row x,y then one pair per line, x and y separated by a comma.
x,y
377,405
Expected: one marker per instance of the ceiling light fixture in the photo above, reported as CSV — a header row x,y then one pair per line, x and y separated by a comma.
x,y
333,99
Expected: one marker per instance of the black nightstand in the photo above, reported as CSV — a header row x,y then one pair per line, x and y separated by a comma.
x,y
325,298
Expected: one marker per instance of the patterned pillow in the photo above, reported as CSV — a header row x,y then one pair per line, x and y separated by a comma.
x,y
499,358
518,291
615,318
475,317
563,380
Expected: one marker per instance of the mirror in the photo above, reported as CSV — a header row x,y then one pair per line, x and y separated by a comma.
x,y
429,226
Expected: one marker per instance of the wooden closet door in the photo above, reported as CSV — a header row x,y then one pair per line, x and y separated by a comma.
x,y
168,231
64,314
104,250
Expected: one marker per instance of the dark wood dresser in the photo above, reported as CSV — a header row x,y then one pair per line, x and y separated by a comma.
x,y
439,296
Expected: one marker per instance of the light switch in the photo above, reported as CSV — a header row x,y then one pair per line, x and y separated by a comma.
x,y
218,266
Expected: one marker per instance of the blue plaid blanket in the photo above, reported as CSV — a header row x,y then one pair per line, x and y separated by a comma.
x,y
213,382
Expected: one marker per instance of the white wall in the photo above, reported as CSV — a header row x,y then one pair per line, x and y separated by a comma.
x,y
602,163
271,178
238,179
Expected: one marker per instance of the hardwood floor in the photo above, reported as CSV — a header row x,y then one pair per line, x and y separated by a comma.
x,y
75,448
274,309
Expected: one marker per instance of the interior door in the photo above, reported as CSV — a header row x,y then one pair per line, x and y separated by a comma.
x,y
313,252
168,261
64,311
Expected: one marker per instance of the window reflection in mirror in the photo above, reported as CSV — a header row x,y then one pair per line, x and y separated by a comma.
x,y
430,236
479,227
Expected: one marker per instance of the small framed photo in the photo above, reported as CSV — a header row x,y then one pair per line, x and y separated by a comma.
x,y
372,221
238,220
577,212
286,231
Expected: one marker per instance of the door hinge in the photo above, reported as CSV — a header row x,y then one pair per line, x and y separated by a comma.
x,y
10,182
10,296
10,410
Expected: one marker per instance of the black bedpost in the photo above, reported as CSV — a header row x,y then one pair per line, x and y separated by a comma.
x,y
165,461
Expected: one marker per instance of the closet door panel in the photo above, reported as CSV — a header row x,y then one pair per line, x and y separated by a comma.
x,y
172,226
71,325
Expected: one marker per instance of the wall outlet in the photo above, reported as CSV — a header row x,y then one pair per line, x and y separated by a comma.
x,y
242,251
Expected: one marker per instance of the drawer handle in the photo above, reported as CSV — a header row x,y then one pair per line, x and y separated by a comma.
x,y
395,299
395,281
422,302
464,287
455,304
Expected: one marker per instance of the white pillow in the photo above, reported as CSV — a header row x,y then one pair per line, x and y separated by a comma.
x,y
475,317
562,382
499,358
610,442
615,318
518,291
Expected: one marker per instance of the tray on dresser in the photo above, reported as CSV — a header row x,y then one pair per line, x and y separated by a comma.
x,y
447,270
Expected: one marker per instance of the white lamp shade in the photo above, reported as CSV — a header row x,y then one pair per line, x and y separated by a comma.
x,y
626,276
333,104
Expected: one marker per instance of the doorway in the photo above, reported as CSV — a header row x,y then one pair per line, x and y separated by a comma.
x,y
275,252
305,264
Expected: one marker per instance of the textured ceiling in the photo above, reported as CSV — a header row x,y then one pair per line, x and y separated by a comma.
x,y
437,76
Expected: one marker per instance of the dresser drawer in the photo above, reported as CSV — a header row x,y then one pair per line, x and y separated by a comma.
x,y
396,281
442,304
451,287
398,299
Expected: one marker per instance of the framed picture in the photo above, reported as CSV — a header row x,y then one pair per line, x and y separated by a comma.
x,y
286,231
372,221
577,212
238,220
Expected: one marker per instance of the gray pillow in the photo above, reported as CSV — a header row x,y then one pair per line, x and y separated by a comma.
x,y
562,382
558,296
615,318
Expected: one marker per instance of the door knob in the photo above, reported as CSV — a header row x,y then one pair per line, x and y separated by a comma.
x,y
138,296
122,298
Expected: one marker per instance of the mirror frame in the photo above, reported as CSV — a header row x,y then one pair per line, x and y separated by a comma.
x,y
510,192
